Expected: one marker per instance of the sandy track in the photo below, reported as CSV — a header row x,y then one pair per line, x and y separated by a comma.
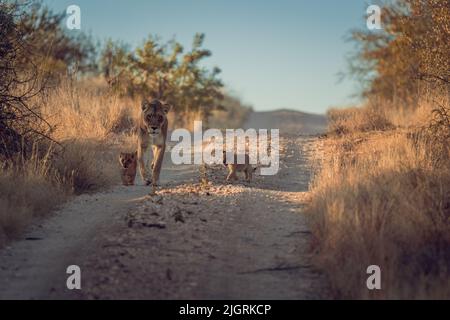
x,y
192,240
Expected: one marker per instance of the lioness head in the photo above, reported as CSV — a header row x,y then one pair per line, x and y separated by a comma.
x,y
154,115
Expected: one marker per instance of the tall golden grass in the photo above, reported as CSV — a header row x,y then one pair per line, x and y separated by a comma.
x,y
28,189
90,125
382,197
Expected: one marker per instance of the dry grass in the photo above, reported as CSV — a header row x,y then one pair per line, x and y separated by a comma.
x,y
91,124
383,198
90,128
28,189
354,119
78,112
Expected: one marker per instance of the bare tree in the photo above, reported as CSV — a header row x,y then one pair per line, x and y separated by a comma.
x,y
20,80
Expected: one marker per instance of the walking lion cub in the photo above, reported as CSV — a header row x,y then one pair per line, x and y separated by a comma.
x,y
128,163
234,167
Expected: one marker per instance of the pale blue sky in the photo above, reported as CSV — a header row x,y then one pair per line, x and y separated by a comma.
x,y
273,54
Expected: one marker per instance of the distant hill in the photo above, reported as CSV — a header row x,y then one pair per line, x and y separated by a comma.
x,y
288,121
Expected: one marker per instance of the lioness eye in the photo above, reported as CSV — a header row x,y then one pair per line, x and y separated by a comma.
x,y
160,119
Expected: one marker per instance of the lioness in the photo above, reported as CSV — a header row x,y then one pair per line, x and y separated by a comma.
x,y
234,167
152,131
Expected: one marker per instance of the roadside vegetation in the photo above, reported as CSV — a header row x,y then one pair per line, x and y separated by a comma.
x,y
382,193
68,105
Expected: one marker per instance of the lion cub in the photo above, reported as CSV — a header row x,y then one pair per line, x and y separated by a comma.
x,y
234,167
128,163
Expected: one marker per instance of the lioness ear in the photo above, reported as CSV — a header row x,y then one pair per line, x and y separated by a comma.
x,y
166,108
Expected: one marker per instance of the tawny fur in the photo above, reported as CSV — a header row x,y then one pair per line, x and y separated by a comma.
x,y
234,167
128,163
152,132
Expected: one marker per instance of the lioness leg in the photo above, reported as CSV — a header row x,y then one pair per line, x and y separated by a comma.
x,y
155,152
142,154
158,156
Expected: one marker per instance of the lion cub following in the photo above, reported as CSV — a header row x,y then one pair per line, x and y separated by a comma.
x,y
234,167
128,163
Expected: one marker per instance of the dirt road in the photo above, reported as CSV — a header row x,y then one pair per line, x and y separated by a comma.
x,y
197,238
